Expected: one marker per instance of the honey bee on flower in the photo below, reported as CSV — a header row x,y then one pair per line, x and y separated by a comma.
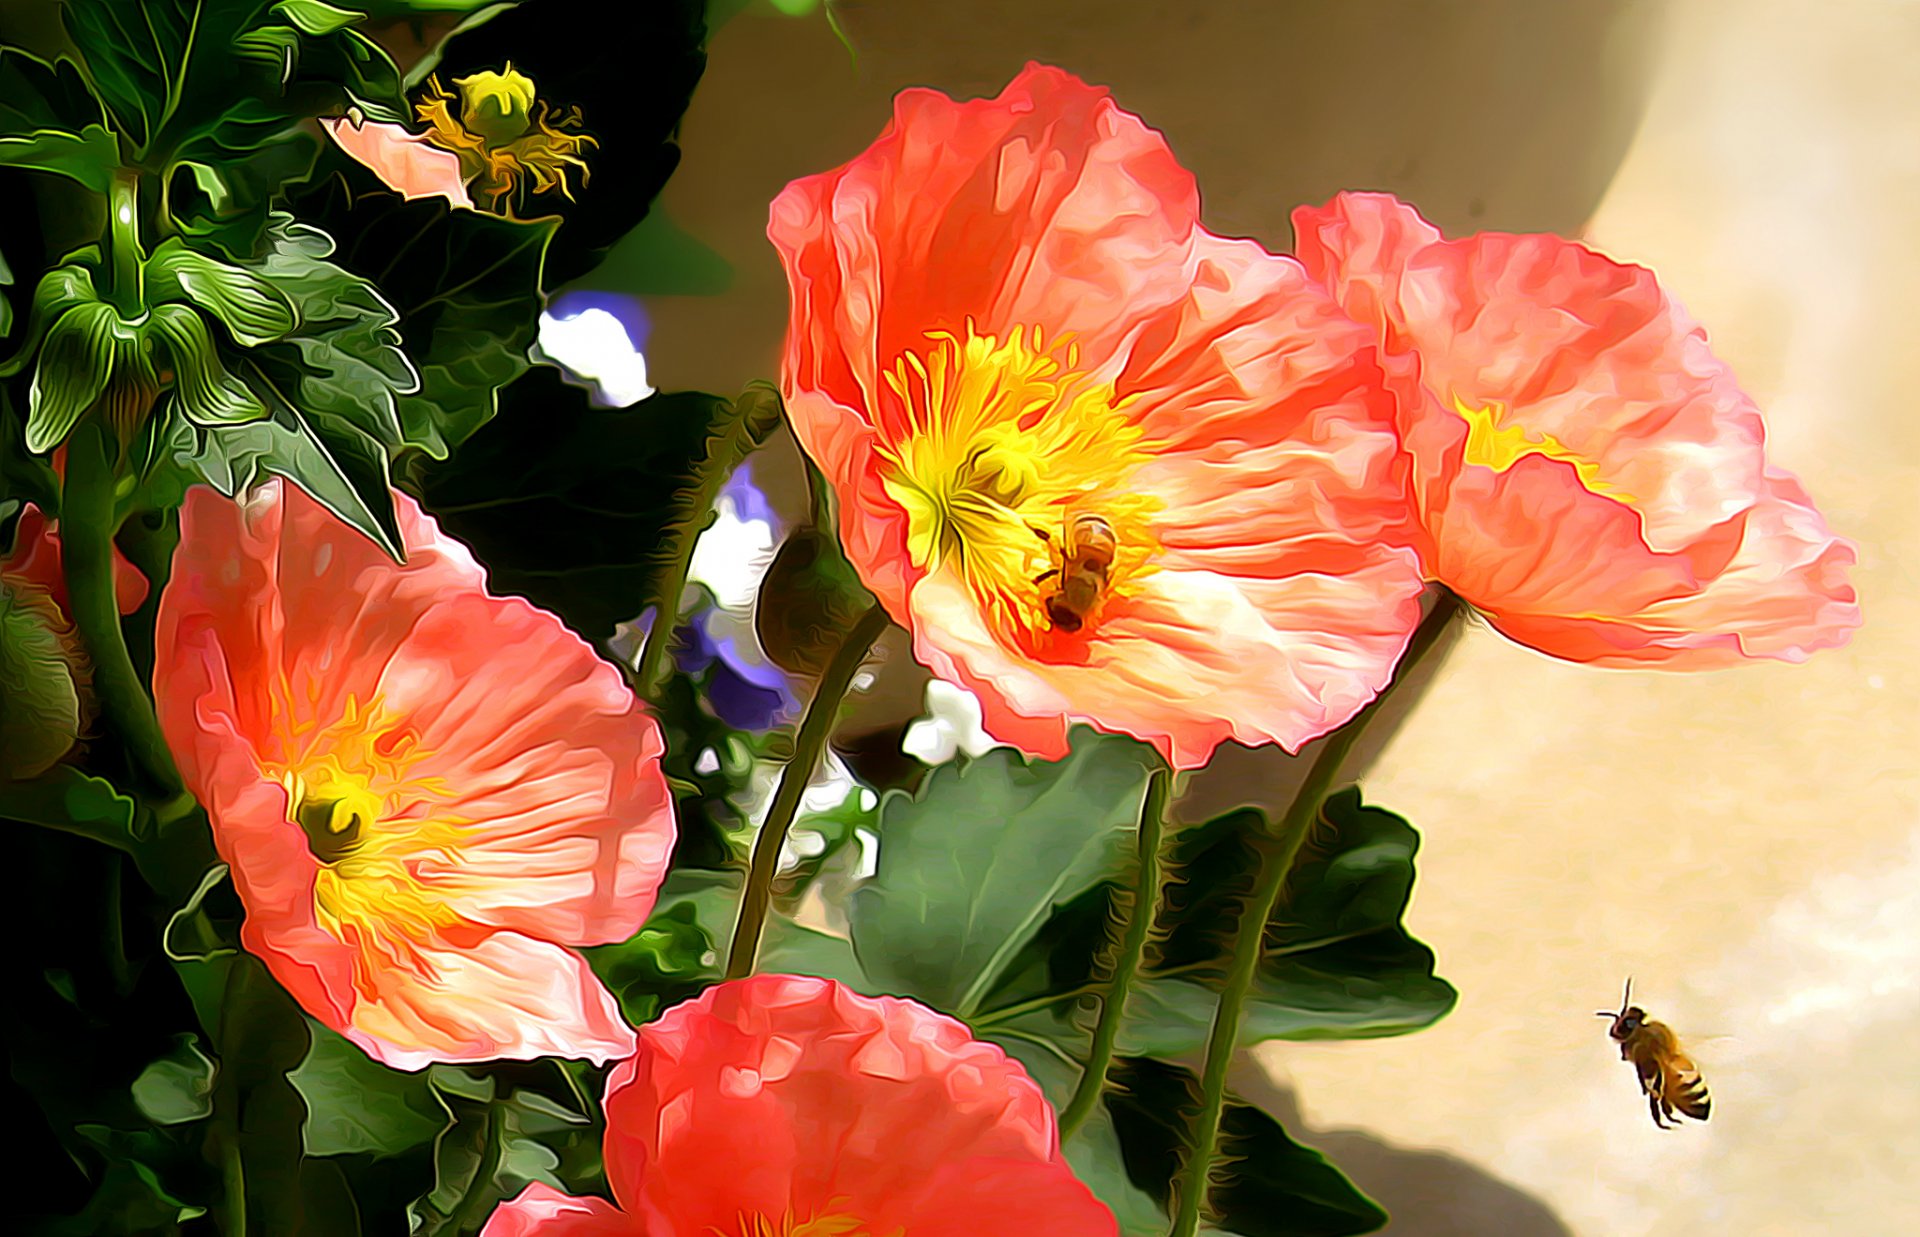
x,y
1106,466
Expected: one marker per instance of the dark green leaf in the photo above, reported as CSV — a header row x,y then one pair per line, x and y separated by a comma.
x,y
178,1087
1265,1184
571,506
1094,1150
88,157
152,61
1338,964
355,1104
64,798
316,17
467,287
972,867
485,1157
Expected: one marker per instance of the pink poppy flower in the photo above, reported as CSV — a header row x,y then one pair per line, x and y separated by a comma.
x,y
427,793
35,558
782,1105
1588,474
407,162
1106,466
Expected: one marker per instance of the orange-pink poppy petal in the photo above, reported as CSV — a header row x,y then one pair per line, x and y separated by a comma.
x,y
1010,342
775,1103
35,558
1589,475
429,795
406,162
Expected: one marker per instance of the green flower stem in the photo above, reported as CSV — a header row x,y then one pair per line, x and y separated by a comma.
x,y
748,422
1134,919
1277,848
129,258
87,526
808,745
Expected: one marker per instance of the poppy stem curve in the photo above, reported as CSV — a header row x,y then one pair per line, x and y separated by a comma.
x,y
1134,919
1277,849
808,745
87,524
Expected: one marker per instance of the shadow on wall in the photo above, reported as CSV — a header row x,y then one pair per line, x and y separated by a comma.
x,y
1427,1193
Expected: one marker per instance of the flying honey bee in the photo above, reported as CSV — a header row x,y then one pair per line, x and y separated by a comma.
x,y
1668,1077
1085,552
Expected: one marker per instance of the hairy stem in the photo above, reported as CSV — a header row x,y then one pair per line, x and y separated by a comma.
x,y
87,527
1135,922
1277,848
748,422
808,745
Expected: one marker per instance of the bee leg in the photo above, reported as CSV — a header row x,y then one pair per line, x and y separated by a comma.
x,y
1046,575
1653,1106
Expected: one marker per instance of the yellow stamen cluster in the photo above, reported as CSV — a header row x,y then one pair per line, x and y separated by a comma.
x,y
506,139
1494,445
1005,444
368,820
788,1226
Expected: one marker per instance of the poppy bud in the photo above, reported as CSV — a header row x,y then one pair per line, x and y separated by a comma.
x,y
44,703
809,601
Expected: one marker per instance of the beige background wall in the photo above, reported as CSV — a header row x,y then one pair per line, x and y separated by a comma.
x,y
1746,843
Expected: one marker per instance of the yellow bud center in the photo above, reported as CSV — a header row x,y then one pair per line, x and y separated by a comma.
x,y
1014,469
496,106
753,1225
1493,444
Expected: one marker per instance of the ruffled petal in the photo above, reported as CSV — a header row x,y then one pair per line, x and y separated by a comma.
x,y
406,162
542,1211
502,996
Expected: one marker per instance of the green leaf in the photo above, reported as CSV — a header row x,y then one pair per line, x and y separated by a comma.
x,y
355,1104
59,290
973,866
88,157
64,798
76,363
1094,1151
1337,962
148,61
486,1156
1266,1184
43,709
208,395
467,286
245,302
315,16
571,506
178,1087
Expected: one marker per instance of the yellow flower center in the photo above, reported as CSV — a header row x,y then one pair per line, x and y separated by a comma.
x,y
507,140
1491,444
787,1226
1013,468
369,821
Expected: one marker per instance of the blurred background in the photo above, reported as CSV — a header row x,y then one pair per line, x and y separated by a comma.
x,y
1745,843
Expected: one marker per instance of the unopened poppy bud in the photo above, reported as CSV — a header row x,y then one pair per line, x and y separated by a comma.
x,y
496,106
44,702
809,601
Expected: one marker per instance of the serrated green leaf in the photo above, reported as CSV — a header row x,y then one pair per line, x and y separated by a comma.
x,y
88,157
316,17
973,866
178,1087
247,304
209,396
355,1104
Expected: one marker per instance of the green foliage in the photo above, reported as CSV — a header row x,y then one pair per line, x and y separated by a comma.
x,y
49,123
570,505
1337,963
355,1104
466,284
1267,1185
972,867
42,672
502,1139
